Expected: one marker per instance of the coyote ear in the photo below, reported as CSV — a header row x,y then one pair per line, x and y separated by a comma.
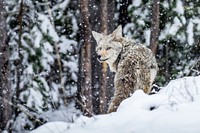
x,y
117,33
97,36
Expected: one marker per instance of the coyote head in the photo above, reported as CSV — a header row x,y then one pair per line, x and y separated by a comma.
x,y
108,46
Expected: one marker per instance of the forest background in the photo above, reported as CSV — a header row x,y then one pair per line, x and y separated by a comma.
x,y
48,61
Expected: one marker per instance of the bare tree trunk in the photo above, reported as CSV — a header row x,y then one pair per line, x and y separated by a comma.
x,y
103,82
5,108
95,11
102,20
155,26
111,27
85,63
101,89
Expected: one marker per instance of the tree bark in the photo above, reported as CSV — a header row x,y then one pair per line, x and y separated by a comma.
x,y
155,26
85,63
5,98
111,26
103,82
95,19
102,20
102,87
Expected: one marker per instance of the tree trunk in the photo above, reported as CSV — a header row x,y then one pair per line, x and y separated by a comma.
x,y
103,82
155,26
95,19
5,98
85,60
102,87
111,26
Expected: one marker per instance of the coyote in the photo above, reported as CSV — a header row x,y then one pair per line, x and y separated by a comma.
x,y
134,65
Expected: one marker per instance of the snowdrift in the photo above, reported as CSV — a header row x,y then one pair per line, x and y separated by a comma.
x,y
175,109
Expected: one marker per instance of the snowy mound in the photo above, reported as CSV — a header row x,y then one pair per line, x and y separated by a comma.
x,y
175,109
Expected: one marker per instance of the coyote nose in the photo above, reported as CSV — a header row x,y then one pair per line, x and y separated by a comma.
x,y
98,56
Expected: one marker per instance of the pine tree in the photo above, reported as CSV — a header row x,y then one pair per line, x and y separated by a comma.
x,y
43,58
178,31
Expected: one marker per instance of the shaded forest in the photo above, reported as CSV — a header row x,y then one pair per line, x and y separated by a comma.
x,y
48,61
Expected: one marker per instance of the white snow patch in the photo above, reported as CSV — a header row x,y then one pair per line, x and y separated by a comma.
x,y
196,20
54,93
64,4
48,47
164,33
53,127
175,109
147,35
141,22
38,37
179,7
47,27
71,65
190,33
66,45
183,19
175,26
165,4
128,28
29,69
64,113
46,60
136,3
37,97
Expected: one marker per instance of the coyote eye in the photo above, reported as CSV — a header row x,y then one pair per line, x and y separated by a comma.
x,y
100,48
108,48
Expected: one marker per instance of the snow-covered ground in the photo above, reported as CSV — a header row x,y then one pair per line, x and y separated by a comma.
x,y
175,109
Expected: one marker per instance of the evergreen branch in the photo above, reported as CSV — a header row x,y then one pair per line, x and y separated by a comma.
x,y
62,90
23,109
192,68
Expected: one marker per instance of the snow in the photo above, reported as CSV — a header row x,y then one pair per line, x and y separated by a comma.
x,y
175,26
37,97
66,45
190,33
127,29
196,20
147,35
63,113
64,4
173,29
136,3
61,7
179,7
38,38
51,126
47,27
54,92
175,109
165,32
29,69
165,4
140,22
